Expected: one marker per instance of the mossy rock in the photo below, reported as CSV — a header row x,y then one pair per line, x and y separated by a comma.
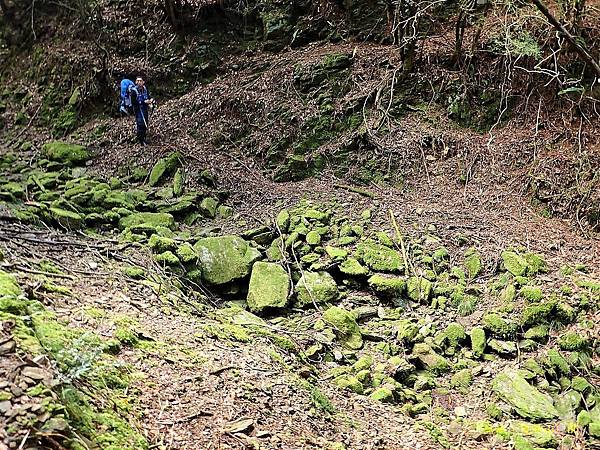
x,y
349,382
472,263
388,286
178,182
345,326
67,219
68,154
453,336
186,253
499,326
163,167
514,263
407,331
419,289
462,379
224,212
319,287
536,434
168,258
429,359
160,244
379,257
478,341
353,267
224,259
269,286
537,313
208,207
531,293
153,220
283,220
383,394
538,333
336,253
527,401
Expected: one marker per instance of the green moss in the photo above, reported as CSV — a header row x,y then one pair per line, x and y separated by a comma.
x,y
269,286
514,263
453,335
531,293
572,341
526,399
538,333
134,272
161,244
208,207
462,379
429,359
227,332
379,257
168,258
103,427
556,361
318,287
383,394
66,219
344,323
387,285
69,154
499,327
478,341
352,267
186,253
473,264
320,401
8,285
283,220
225,258
349,382
149,219
335,253
363,363
163,167
418,289
537,313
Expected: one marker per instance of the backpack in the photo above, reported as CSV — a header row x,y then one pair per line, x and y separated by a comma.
x,y
125,105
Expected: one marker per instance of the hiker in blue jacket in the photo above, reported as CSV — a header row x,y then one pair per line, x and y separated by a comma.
x,y
141,101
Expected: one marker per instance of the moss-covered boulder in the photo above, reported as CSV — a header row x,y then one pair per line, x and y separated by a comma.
x,y
225,258
462,379
387,286
379,257
317,287
429,359
208,207
514,263
160,244
163,168
478,341
66,218
168,258
186,253
472,263
418,289
345,326
269,286
384,394
152,220
68,154
498,326
349,382
527,401
353,267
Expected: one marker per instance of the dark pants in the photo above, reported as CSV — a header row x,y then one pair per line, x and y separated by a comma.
x,y
141,121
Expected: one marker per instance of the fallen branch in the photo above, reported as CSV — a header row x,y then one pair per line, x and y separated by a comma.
x,y
582,52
